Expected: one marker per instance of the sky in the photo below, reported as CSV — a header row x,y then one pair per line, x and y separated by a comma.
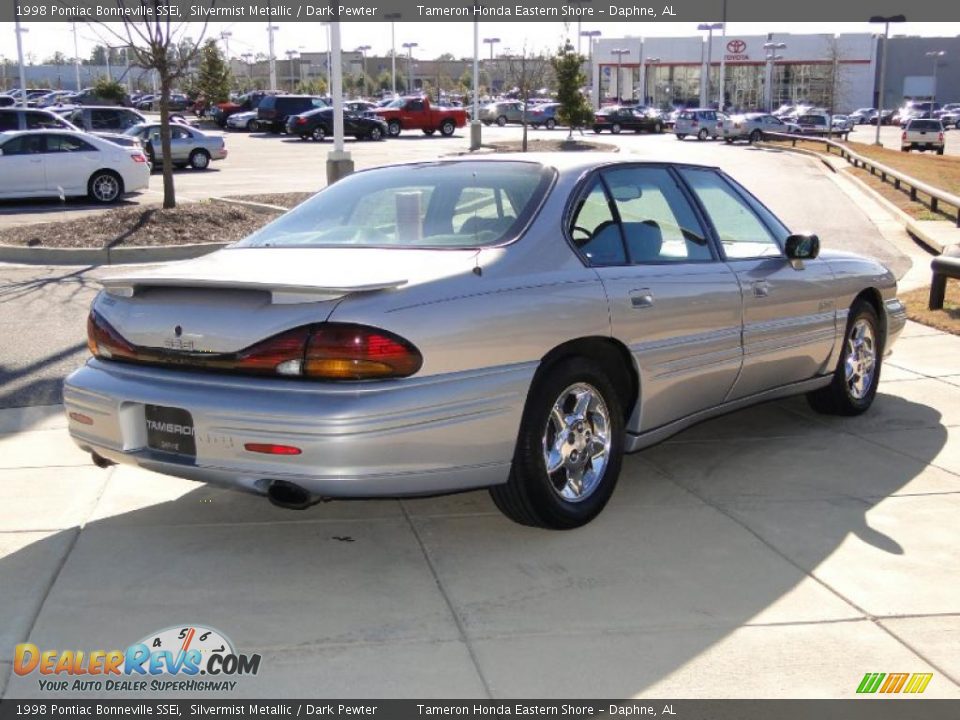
x,y
43,39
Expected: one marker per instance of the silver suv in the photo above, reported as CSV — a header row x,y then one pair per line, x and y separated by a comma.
x,y
700,123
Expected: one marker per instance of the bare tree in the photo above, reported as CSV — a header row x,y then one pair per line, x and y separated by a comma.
x,y
158,44
526,73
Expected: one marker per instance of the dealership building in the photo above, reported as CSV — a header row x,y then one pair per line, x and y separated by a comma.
x,y
841,72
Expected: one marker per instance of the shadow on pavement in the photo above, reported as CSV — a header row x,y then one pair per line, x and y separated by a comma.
x,y
705,535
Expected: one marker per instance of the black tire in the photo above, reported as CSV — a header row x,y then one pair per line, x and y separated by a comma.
x,y
702,135
939,151
105,187
502,120
550,124
838,398
429,132
615,128
597,130
151,156
530,496
200,160
375,134
681,136
447,128
251,125
755,136
318,134
728,141
393,128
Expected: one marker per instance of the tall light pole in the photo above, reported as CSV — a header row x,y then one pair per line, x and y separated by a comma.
x,y
619,52
475,128
225,36
409,46
339,162
723,60
705,77
936,55
491,41
291,54
363,65
248,59
772,57
590,35
393,17
271,28
76,55
655,62
23,75
886,20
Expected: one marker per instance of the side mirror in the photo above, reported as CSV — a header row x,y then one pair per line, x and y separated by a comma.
x,y
802,247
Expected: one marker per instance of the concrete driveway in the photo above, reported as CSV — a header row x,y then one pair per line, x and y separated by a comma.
x,y
773,553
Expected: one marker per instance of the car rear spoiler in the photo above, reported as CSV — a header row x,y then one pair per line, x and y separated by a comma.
x,y
279,294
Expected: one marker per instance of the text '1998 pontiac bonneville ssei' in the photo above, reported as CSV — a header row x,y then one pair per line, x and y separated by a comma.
x,y
500,323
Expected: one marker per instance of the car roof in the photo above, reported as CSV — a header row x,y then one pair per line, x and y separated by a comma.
x,y
566,162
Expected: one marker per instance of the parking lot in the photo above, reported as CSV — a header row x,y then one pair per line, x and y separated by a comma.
x,y
771,553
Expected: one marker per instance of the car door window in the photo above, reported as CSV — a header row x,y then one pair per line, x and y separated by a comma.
x,y
740,230
594,230
9,121
43,121
180,134
103,119
658,223
68,143
414,106
24,145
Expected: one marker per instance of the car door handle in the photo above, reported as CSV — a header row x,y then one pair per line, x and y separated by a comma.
x,y
640,299
761,288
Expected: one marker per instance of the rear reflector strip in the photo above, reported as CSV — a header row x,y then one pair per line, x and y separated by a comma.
x,y
272,449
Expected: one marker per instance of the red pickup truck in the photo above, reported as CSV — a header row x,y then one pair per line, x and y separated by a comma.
x,y
416,113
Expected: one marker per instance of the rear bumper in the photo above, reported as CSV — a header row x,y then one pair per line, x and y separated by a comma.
x,y
409,437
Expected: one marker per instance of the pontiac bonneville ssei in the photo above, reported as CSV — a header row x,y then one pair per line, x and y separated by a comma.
x,y
516,323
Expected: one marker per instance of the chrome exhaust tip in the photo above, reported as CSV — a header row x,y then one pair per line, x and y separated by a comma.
x,y
291,496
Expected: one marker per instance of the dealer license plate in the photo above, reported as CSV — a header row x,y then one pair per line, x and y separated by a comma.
x,y
170,430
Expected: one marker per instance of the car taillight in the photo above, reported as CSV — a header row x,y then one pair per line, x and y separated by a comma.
x,y
356,352
105,342
301,121
139,158
904,135
940,137
331,351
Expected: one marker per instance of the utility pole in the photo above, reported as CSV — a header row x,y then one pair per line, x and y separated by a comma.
x,y
76,56
619,52
339,163
291,54
393,17
409,46
23,75
883,64
225,36
475,128
272,58
363,66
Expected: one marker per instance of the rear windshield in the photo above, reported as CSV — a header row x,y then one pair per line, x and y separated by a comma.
x,y
447,205
925,125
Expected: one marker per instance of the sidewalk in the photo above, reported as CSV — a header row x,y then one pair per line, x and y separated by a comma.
x,y
771,553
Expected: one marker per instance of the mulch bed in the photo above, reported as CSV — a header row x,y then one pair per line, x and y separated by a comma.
x,y
947,319
575,145
186,224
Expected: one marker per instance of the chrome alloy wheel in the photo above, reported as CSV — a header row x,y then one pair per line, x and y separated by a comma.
x,y
106,188
576,442
860,361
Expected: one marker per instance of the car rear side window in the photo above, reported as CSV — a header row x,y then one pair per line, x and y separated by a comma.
x,y
68,143
442,205
9,121
658,223
740,230
594,230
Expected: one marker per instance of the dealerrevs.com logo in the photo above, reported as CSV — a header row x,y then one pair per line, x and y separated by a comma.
x,y
184,658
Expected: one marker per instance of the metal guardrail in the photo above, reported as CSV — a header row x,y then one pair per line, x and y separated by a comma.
x,y
899,179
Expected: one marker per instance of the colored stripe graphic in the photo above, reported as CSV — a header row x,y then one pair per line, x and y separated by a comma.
x,y
870,682
918,683
914,683
894,683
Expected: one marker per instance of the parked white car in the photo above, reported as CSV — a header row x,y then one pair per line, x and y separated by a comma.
x,y
243,121
67,163
920,134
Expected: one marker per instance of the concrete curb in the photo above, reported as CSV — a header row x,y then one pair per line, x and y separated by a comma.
x,y
913,227
103,256
256,207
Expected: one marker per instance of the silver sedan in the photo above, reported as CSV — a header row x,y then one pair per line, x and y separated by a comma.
x,y
505,322
188,146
